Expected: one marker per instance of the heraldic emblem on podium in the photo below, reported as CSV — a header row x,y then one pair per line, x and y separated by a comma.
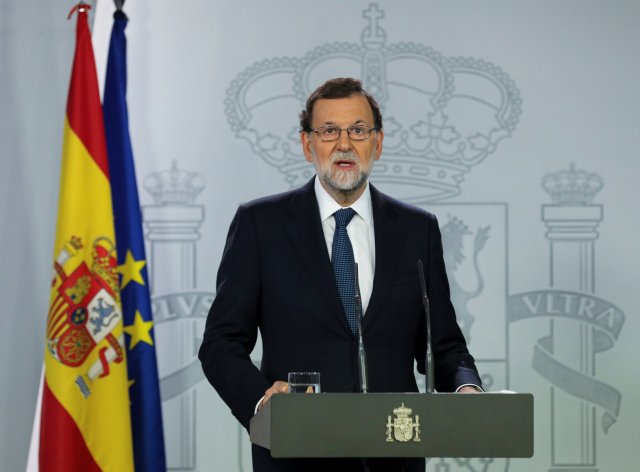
x,y
403,428
85,311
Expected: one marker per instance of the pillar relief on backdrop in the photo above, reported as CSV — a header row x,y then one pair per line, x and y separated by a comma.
x,y
443,116
581,325
179,310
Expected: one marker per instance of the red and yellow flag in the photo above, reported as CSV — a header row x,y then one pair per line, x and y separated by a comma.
x,y
85,423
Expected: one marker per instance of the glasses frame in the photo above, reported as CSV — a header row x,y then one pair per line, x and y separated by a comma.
x,y
340,130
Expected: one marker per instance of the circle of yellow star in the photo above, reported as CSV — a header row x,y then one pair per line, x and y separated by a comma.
x,y
131,270
140,331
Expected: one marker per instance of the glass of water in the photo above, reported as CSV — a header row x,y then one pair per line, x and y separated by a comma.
x,y
304,382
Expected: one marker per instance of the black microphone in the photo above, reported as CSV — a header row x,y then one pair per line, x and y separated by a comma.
x,y
362,355
428,361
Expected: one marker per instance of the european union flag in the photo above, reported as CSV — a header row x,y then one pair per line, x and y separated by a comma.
x,y
144,390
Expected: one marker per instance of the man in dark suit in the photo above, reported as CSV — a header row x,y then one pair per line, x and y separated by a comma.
x,y
278,276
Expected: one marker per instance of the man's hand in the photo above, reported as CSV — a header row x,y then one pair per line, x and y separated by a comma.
x,y
278,387
469,389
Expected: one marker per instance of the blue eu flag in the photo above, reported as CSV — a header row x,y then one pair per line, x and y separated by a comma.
x,y
144,390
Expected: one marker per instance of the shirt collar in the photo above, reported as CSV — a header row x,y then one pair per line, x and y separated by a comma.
x,y
328,206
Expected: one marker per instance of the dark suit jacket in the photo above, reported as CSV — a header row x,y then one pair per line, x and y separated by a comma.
x,y
276,276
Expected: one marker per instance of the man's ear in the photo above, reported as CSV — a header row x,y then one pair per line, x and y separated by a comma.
x,y
379,139
305,140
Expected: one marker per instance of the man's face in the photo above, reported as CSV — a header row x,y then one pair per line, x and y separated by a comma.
x,y
344,165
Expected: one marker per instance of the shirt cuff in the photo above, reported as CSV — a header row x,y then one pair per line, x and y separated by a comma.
x,y
255,410
464,385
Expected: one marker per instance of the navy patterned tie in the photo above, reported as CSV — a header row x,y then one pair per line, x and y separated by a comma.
x,y
343,264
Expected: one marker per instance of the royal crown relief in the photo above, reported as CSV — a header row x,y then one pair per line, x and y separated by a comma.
x,y
442,115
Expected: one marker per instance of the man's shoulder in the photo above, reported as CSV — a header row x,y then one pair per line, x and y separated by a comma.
x,y
268,201
298,198
402,209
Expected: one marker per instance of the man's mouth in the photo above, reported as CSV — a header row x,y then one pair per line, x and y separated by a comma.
x,y
344,161
345,164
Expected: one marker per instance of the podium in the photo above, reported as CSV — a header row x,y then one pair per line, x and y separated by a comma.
x,y
396,425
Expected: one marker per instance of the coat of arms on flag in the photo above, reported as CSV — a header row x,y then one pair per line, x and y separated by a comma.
x,y
85,310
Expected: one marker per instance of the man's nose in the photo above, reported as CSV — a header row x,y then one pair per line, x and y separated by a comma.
x,y
344,143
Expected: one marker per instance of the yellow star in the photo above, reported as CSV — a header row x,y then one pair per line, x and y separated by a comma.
x,y
140,331
131,270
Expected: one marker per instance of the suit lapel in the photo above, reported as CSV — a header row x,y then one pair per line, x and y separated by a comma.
x,y
304,230
390,239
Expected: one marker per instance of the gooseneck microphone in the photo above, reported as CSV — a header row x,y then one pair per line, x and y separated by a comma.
x,y
362,355
428,361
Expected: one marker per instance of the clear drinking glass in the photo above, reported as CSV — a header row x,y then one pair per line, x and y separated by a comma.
x,y
304,382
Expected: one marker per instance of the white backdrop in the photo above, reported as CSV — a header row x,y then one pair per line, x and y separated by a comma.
x,y
515,122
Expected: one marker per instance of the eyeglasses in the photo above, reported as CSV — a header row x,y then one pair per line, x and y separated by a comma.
x,y
355,133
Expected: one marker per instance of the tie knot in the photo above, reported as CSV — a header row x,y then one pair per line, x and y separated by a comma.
x,y
344,216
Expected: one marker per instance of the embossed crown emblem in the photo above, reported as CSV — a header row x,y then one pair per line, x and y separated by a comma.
x,y
402,411
572,186
442,116
174,187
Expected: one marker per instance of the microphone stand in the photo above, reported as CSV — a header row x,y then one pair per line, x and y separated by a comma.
x,y
362,355
428,361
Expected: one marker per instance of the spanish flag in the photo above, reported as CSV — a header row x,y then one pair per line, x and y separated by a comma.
x,y
85,420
